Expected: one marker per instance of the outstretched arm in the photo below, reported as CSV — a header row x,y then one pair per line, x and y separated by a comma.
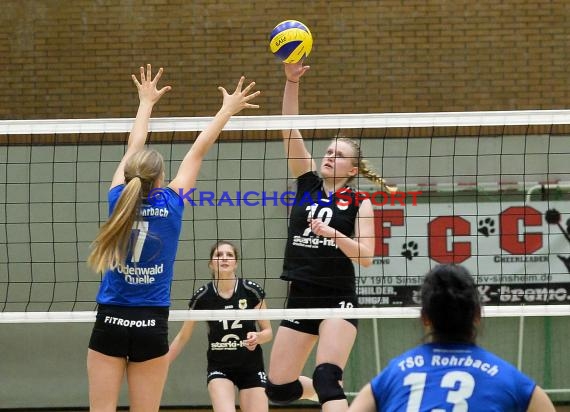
x,y
232,104
181,340
300,160
148,96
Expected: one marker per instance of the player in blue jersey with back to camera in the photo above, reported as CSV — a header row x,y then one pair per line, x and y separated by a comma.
x,y
235,358
450,373
135,251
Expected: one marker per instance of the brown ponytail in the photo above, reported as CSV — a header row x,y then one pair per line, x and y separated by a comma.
x,y
113,242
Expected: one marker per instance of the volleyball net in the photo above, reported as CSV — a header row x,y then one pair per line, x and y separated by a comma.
x,y
489,190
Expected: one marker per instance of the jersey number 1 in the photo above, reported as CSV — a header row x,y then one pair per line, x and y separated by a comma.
x,y
140,230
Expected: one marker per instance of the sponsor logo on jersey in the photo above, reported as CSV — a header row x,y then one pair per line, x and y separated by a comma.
x,y
228,342
140,275
312,242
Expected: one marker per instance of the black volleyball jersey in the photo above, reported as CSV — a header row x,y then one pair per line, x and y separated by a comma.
x,y
225,337
316,259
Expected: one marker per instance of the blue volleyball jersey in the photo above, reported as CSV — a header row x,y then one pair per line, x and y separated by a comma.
x,y
451,377
145,278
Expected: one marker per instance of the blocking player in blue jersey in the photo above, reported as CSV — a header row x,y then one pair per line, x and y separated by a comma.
x,y
235,358
135,251
450,373
327,235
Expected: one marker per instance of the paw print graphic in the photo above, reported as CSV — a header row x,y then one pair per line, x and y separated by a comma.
x,y
410,250
486,227
416,297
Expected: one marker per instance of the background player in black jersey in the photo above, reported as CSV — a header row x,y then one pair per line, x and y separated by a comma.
x,y
234,352
326,237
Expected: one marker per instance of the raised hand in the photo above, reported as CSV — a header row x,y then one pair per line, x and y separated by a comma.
x,y
294,71
148,92
239,99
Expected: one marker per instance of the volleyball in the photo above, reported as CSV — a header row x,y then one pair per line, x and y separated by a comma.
x,y
291,41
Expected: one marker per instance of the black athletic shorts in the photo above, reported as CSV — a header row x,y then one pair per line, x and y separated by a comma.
x,y
137,333
306,295
243,379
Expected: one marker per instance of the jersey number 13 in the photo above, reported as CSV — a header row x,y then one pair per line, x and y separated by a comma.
x,y
460,387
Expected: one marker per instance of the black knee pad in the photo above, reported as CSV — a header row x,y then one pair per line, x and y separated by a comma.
x,y
326,382
284,394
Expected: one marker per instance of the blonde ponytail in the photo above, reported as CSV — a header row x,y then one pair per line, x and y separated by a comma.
x,y
113,242
365,170
364,167
111,245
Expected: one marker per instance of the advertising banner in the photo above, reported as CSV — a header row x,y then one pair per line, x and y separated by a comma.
x,y
517,252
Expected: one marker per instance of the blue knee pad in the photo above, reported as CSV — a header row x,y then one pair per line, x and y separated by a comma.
x,y
284,394
326,382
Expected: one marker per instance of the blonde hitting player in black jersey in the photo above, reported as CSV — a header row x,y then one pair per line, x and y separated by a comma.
x,y
327,235
234,356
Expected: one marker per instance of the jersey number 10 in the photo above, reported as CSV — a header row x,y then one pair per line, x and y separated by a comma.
x,y
325,214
